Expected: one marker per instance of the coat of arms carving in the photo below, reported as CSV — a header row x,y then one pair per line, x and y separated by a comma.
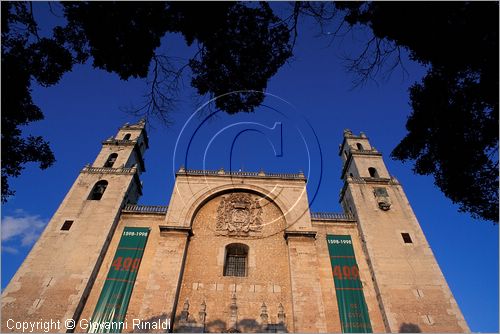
x,y
239,215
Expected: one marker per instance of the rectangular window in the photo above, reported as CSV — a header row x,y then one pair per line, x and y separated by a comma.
x,y
67,225
406,238
235,265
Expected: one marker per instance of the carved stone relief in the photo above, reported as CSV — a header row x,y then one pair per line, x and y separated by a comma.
x,y
239,214
384,203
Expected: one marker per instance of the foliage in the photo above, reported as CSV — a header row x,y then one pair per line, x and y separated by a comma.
x,y
452,131
239,48
453,128
23,59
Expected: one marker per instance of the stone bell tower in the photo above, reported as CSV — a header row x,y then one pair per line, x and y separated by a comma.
x,y
57,275
411,290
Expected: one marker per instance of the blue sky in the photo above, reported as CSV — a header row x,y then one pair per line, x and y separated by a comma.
x,y
313,95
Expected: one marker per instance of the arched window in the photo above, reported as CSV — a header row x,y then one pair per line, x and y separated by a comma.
x,y
359,146
111,160
236,260
98,190
127,136
373,172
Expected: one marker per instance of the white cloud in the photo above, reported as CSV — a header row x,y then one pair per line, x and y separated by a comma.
x,y
21,227
10,250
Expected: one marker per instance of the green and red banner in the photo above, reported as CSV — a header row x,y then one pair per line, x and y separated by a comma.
x,y
112,305
354,317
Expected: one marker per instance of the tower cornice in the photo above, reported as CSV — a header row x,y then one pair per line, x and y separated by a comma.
x,y
372,152
349,135
124,142
141,126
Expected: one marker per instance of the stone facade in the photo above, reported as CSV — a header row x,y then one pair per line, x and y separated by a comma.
x,y
285,282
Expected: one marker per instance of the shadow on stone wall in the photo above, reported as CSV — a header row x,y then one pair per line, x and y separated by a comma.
x,y
159,323
249,325
215,326
409,328
220,326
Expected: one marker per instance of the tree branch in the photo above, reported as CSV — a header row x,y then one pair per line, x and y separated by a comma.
x,y
32,26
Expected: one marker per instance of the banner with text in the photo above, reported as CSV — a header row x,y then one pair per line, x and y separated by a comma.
x,y
354,317
112,305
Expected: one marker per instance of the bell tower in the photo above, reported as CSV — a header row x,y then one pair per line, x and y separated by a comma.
x,y
412,292
56,277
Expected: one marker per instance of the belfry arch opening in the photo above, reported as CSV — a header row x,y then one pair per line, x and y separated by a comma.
x,y
98,190
111,160
373,172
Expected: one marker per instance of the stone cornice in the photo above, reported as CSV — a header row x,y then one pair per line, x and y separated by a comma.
x,y
117,171
352,152
367,180
145,209
333,217
303,234
115,142
182,229
222,173
349,135
109,170
141,126
112,141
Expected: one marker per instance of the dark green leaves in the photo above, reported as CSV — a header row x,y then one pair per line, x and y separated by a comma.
x,y
240,48
453,128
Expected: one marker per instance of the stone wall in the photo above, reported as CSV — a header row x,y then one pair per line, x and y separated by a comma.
x,y
267,279
53,281
154,292
413,291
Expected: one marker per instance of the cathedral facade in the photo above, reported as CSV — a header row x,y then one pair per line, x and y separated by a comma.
x,y
232,252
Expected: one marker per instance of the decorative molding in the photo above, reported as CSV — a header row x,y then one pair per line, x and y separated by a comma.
x,y
184,317
363,180
353,151
233,320
120,142
112,141
349,135
333,216
117,171
138,126
306,234
109,170
381,180
148,209
281,315
182,229
382,197
222,173
202,314
264,317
